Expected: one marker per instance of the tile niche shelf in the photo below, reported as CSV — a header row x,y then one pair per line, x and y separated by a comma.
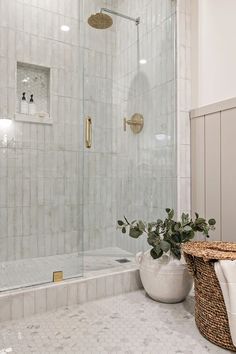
x,y
33,79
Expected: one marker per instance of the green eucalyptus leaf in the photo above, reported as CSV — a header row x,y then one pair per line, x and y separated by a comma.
x,y
171,214
165,246
135,232
150,226
176,252
153,254
156,252
200,221
186,236
141,225
159,254
212,222
176,238
187,228
153,238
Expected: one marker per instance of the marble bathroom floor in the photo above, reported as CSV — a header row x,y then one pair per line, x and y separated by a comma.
x,y
131,324
34,271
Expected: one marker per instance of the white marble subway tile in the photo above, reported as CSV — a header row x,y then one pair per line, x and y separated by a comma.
x,y
5,308
127,281
18,221
33,244
118,283
3,191
17,306
82,291
72,293
109,285
48,245
12,248
60,242
92,289
101,287
61,295
11,217
51,298
29,303
26,220
184,199
135,280
18,247
48,25
25,247
3,222
40,300
27,15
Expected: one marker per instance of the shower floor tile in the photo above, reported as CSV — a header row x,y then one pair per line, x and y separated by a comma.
x,y
27,272
130,323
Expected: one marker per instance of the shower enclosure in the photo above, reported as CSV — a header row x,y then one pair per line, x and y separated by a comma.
x,y
75,166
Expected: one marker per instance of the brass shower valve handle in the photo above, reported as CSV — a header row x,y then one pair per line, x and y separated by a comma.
x,y
136,123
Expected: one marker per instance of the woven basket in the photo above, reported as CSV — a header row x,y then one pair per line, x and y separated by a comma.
x,y
210,311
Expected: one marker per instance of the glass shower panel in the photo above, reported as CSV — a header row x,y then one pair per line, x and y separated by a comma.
x,y
40,202
129,68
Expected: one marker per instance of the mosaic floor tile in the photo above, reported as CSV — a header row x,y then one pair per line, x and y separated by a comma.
x,y
130,324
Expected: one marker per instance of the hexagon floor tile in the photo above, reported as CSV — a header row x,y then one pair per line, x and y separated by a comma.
x,y
131,324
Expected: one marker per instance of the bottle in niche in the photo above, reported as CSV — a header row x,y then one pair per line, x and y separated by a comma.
x,y
23,104
32,108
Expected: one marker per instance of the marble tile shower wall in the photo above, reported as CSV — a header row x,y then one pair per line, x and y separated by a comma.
x,y
184,102
125,173
40,209
100,162
146,173
39,204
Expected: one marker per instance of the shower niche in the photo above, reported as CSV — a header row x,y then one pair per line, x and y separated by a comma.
x,y
33,93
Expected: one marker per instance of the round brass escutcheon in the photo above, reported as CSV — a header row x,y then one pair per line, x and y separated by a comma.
x,y
136,123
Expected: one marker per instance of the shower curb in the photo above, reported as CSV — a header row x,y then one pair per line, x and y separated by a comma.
x,y
26,302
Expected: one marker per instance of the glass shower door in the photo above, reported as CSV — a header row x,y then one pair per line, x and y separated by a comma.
x,y
40,202
129,68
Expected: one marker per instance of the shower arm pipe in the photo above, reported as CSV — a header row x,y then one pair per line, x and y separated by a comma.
x,y
136,20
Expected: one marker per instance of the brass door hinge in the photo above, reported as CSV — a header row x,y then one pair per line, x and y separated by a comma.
x,y
57,276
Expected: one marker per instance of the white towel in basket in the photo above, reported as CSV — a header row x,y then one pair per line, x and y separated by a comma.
x,y
226,274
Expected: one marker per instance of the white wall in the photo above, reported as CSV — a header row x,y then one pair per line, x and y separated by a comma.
x,y
213,51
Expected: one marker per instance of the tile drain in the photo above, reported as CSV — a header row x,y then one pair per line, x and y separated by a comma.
x,y
123,260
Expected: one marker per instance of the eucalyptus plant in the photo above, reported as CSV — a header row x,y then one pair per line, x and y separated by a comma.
x,y
167,235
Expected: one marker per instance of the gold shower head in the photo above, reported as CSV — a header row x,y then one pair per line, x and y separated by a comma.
x,y
100,21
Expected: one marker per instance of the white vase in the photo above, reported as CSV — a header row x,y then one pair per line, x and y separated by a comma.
x,y
165,279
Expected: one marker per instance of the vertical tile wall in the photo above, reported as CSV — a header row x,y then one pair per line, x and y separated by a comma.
x,y
100,162
183,103
146,171
94,73
125,173
39,204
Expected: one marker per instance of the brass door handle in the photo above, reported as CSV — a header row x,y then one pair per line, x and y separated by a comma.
x,y
88,133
